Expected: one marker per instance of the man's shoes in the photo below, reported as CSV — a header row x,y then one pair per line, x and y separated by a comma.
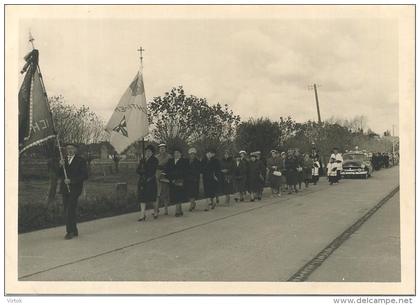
x,y
69,236
142,218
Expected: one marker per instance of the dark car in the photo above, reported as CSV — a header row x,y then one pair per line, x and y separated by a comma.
x,y
356,164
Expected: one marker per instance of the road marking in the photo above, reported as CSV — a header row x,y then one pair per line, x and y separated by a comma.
x,y
303,273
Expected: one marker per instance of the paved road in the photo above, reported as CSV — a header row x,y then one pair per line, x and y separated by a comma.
x,y
371,254
260,241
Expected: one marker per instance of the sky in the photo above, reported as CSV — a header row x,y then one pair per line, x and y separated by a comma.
x,y
259,67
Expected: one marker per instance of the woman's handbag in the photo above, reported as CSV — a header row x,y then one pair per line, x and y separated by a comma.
x,y
163,178
179,182
277,173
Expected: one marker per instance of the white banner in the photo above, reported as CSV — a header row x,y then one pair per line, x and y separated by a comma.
x,y
129,121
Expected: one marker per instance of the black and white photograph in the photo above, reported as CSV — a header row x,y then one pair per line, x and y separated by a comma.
x,y
209,149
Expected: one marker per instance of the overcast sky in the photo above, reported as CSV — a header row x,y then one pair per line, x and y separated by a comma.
x,y
261,68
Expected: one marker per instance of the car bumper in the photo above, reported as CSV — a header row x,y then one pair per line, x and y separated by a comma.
x,y
353,173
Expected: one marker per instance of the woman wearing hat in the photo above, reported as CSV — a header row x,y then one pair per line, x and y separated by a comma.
x,y
283,181
240,172
227,165
256,174
176,171
291,166
263,167
274,165
192,180
163,182
308,164
211,177
299,160
147,185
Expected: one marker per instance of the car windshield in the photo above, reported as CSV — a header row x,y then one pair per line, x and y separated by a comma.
x,y
356,157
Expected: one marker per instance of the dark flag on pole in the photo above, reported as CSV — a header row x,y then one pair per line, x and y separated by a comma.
x,y
35,119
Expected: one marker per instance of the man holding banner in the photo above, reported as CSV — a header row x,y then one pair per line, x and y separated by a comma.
x,y
72,186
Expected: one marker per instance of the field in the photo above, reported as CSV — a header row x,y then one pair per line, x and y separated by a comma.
x,y
99,199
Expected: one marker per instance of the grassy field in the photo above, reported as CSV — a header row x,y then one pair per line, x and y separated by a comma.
x,y
99,199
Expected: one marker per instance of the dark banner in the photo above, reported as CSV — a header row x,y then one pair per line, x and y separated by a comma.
x,y
35,120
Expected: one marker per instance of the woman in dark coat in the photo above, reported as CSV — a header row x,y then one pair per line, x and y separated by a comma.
x,y
176,171
147,185
240,172
300,175
211,177
291,166
192,180
263,167
308,164
283,180
256,172
227,165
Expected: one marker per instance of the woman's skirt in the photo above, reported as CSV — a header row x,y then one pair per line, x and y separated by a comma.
x,y
211,187
275,181
192,188
291,177
239,184
177,194
147,192
255,183
307,173
227,185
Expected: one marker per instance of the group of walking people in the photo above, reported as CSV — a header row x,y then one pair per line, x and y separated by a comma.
x,y
383,160
166,179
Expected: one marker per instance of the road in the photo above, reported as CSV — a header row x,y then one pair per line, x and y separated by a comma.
x,y
372,254
250,241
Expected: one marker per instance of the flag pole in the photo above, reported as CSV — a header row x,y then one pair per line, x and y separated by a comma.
x,y
31,40
141,50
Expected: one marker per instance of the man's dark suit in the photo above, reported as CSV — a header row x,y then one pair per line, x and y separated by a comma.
x,y
77,173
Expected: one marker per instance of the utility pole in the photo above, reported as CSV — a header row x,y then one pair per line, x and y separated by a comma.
x,y
313,87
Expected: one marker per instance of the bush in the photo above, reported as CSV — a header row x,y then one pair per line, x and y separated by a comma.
x,y
37,215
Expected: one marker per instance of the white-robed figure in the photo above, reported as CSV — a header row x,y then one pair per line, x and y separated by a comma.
x,y
338,161
332,171
315,171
